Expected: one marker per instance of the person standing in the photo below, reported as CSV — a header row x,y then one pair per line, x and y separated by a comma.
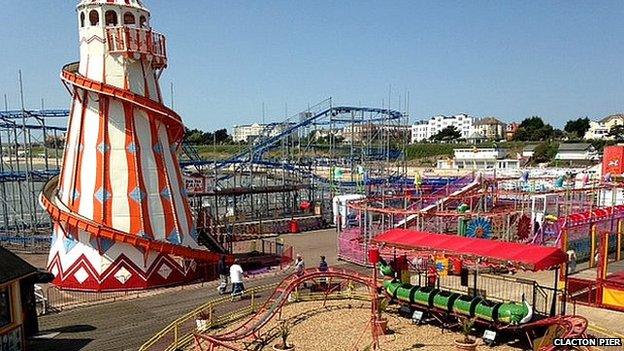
x,y
236,277
323,267
299,265
571,261
223,271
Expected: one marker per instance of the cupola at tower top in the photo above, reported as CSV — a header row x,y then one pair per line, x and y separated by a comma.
x,y
138,4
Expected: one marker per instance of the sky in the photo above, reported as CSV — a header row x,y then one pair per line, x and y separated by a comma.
x,y
510,59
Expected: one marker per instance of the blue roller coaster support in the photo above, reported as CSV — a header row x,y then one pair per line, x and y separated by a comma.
x,y
265,145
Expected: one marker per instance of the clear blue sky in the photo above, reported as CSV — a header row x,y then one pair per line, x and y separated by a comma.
x,y
555,59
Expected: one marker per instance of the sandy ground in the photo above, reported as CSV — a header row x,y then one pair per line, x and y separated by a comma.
x,y
344,325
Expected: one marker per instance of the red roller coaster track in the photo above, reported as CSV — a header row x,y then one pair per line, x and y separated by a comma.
x,y
274,304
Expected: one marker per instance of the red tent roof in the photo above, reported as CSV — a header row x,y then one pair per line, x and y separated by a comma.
x,y
531,257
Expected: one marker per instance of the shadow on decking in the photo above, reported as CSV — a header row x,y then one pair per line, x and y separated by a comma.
x,y
57,344
61,339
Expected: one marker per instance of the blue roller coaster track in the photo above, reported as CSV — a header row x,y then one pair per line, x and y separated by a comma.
x,y
265,144
260,148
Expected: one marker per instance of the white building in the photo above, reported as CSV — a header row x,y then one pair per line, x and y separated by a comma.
x,y
600,129
577,152
479,159
597,130
426,129
420,131
528,150
249,132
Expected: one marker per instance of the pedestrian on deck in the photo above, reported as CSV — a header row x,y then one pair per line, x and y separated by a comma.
x,y
223,271
236,277
323,267
299,265
571,260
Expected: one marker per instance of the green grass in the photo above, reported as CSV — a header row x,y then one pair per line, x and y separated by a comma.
x,y
418,151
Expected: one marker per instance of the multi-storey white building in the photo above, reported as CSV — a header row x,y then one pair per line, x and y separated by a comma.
x,y
420,131
600,129
248,132
426,129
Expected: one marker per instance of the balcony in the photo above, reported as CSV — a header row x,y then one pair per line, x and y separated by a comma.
x,y
138,43
478,154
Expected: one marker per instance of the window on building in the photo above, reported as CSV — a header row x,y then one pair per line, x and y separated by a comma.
x,y
143,21
5,307
110,18
82,19
94,18
129,18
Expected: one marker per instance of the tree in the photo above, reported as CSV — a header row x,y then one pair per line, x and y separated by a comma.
x,y
195,136
544,152
617,132
534,129
558,134
52,142
221,136
447,134
199,137
578,127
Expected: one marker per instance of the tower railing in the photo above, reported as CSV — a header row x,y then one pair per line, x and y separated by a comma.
x,y
131,41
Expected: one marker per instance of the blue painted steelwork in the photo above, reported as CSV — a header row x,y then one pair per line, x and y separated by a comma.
x,y
265,145
18,114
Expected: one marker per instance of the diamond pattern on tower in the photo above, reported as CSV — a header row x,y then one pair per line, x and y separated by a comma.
x,y
123,275
69,243
104,244
131,148
103,148
174,237
158,148
137,195
81,275
76,194
164,271
194,233
102,195
166,193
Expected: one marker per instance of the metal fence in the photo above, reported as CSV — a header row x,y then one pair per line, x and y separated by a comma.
x,y
218,312
501,289
221,311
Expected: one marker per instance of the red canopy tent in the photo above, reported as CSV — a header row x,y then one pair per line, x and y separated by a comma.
x,y
529,257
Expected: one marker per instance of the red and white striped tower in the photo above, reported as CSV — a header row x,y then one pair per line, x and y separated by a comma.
x,y
121,217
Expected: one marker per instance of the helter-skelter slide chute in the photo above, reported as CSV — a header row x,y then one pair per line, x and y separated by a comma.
x,y
121,217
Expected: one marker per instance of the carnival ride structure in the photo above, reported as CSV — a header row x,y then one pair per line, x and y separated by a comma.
x,y
251,329
121,218
475,206
595,238
28,158
325,150
509,317
399,245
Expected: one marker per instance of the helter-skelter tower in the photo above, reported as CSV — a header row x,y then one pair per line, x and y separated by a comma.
x,y
121,217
